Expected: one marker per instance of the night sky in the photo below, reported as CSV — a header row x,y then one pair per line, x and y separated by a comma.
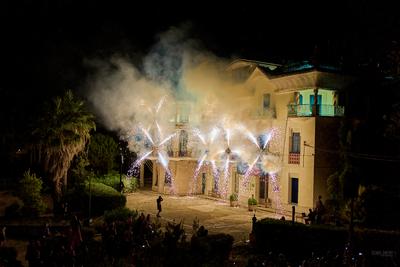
x,y
44,44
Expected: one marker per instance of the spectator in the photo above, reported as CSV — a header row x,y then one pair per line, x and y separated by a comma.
x,y
310,219
319,210
159,199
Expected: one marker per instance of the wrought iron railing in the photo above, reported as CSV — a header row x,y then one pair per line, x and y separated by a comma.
x,y
295,110
294,158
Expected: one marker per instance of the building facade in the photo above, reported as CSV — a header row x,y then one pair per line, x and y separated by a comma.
x,y
303,105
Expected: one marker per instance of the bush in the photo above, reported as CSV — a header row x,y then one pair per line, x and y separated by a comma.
x,y
252,201
119,214
212,249
103,198
30,193
284,237
130,184
112,179
233,197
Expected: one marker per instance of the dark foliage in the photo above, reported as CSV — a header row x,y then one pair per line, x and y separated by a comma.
x,y
284,237
103,198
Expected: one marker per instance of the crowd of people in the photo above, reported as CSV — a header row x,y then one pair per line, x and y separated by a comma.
x,y
316,215
58,249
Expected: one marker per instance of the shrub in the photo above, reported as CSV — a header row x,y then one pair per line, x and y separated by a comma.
x,y
112,179
119,214
233,197
30,193
130,184
283,237
252,201
212,249
103,198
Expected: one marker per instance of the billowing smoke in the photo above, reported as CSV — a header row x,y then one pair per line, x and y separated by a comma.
x,y
177,70
176,77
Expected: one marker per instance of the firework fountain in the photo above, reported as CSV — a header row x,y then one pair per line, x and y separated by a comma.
x,y
124,97
206,144
152,142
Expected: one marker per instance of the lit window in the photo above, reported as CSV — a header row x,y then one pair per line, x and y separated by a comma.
x,y
266,101
295,148
183,140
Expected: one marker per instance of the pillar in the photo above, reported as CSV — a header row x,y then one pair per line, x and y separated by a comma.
x,y
315,104
141,175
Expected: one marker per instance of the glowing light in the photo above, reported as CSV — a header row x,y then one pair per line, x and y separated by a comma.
x,y
196,173
252,138
248,172
148,136
200,136
160,103
166,139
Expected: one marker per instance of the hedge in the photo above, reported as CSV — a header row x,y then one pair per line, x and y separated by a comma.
x,y
112,179
103,198
299,240
120,214
212,249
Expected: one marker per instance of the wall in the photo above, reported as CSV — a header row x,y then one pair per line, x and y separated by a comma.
x,y
326,153
303,171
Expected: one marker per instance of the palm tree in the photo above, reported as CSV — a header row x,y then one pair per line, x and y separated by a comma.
x,y
62,133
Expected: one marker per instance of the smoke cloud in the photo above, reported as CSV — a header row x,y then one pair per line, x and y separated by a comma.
x,y
176,77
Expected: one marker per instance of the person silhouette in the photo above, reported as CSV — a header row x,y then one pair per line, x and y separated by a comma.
x,y
159,199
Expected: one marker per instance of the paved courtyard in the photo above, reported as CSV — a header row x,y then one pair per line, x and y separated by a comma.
x,y
216,215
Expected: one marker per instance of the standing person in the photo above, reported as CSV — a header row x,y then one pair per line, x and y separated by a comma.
x,y
159,199
319,209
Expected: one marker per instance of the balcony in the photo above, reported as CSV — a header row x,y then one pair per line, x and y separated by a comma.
x,y
294,158
295,110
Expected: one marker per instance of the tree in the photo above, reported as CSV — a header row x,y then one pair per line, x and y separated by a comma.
x,y
62,133
30,193
103,151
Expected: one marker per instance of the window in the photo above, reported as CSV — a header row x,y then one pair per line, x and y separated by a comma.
x,y
294,190
266,101
294,153
170,151
183,139
236,185
167,180
295,148
216,181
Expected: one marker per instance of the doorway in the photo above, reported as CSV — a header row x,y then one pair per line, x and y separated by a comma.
x,y
263,189
203,183
148,174
294,191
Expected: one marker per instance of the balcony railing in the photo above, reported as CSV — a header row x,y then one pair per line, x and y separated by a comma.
x,y
294,158
299,110
323,110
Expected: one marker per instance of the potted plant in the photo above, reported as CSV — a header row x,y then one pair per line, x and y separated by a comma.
x,y
252,202
233,198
